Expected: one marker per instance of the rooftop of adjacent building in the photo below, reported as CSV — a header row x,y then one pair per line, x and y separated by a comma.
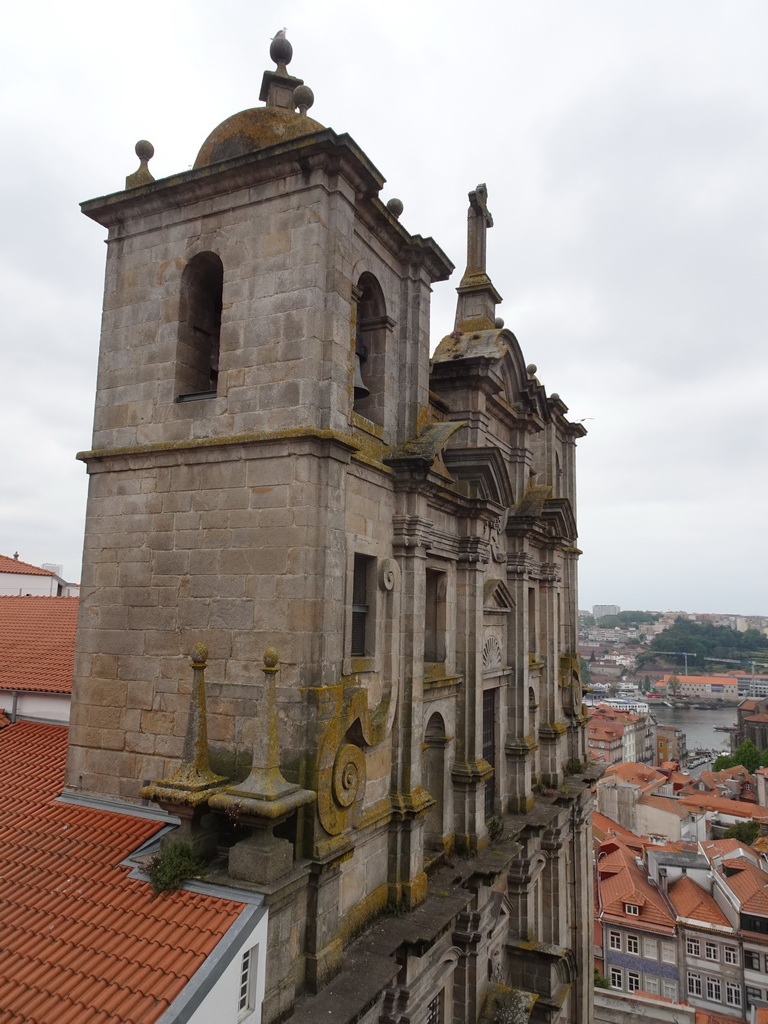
x,y
82,939
38,643
15,565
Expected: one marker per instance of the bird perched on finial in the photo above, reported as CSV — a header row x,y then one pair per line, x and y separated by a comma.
x,y
280,49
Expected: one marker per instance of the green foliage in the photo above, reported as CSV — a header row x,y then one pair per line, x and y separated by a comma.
x,y
586,675
628,618
673,685
170,868
645,685
723,761
495,828
745,831
600,981
748,755
704,640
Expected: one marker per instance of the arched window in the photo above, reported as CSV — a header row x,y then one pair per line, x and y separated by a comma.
x,y
197,362
370,349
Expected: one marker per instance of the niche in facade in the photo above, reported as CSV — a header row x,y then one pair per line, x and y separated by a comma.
x,y
197,360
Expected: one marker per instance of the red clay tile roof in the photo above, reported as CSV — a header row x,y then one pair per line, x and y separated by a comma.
x,y
81,941
14,565
735,808
707,1017
636,773
621,881
38,643
749,705
694,903
763,717
605,828
665,803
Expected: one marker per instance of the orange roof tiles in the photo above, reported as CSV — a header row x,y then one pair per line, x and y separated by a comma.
x,y
664,803
621,881
735,808
14,565
694,903
707,1017
636,773
81,940
38,643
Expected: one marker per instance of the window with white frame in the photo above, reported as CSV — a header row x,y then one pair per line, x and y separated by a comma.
x,y
248,972
633,944
633,981
693,947
649,948
731,954
694,984
754,995
632,909
617,977
733,993
614,940
713,990
668,953
669,990
651,984
711,951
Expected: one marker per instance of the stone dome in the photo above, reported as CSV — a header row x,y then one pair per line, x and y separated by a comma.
x,y
254,129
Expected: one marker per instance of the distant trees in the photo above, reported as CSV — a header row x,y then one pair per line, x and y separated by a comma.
x,y
703,640
746,754
673,685
645,685
745,831
628,618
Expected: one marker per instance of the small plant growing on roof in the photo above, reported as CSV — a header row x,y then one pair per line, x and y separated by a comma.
x,y
170,868
495,828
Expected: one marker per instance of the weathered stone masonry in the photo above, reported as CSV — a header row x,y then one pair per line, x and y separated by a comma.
x,y
276,463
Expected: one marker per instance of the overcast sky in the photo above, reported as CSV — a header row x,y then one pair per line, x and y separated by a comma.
x,y
625,148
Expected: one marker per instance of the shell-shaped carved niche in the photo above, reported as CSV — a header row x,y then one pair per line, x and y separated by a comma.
x,y
492,655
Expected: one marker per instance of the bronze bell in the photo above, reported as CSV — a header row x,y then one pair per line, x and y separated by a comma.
x,y
361,353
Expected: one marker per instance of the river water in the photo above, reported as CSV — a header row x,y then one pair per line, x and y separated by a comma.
x,y
698,726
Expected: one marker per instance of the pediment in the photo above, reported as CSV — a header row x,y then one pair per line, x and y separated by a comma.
x,y
484,469
497,596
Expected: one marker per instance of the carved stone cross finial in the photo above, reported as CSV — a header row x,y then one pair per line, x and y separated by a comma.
x,y
479,219
476,308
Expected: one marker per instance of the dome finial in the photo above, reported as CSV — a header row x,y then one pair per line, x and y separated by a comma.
x,y
280,50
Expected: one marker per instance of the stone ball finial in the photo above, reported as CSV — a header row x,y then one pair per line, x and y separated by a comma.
x,y
142,176
280,50
199,654
555,397
498,323
144,150
303,98
395,206
531,369
271,657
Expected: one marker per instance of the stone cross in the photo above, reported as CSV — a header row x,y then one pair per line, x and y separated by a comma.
x,y
479,219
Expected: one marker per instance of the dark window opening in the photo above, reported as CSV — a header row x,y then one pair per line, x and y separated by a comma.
x,y
200,327
489,746
369,353
434,619
360,606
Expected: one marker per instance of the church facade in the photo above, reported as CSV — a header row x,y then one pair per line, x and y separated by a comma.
x,y
371,557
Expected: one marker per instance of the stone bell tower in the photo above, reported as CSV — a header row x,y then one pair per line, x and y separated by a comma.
x,y
277,467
